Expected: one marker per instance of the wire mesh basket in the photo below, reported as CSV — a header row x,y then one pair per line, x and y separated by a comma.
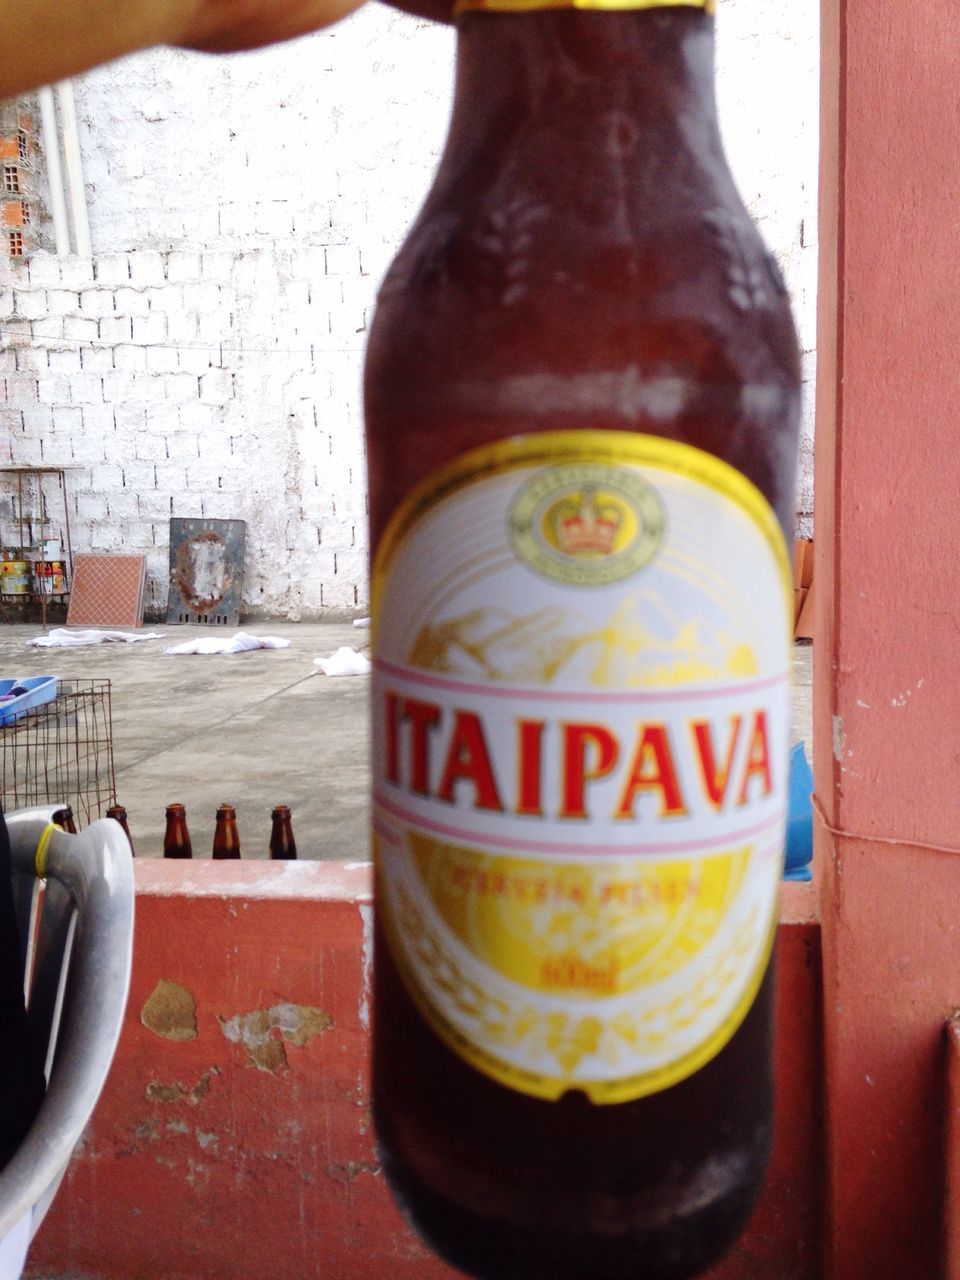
x,y
62,752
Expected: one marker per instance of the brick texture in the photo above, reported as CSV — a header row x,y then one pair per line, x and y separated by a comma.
x,y
207,361
218,429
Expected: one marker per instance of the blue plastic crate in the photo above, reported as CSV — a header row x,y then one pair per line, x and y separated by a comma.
x,y
36,691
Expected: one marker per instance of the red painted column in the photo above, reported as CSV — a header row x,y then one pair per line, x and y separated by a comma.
x,y
887,678
952,1178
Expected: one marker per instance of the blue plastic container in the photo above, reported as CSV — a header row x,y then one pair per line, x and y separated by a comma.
x,y
37,691
799,851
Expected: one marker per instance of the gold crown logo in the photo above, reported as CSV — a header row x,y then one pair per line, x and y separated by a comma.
x,y
583,526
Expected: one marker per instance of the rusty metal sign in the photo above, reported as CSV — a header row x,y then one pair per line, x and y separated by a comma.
x,y
206,571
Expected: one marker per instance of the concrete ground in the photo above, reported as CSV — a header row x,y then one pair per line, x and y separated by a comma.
x,y
253,729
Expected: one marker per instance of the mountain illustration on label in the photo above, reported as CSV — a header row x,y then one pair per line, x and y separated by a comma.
x,y
641,645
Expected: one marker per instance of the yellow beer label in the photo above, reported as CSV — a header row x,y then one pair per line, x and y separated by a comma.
x,y
529,6
581,721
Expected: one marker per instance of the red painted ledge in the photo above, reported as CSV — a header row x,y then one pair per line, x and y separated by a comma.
x,y
233,1139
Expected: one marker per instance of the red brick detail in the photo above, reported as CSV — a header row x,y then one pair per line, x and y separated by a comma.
x,y
11,213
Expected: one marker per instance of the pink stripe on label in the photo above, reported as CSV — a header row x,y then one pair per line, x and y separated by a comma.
x,y
555,695
511,845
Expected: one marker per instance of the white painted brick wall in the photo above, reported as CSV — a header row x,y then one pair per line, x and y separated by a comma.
x,y
207,360
220,429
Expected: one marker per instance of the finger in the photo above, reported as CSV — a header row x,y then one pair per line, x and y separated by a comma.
x,y
229,28
437,10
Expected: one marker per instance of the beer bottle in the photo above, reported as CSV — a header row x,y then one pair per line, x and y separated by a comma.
x,y
226,839
64,818
119,814
282,843
176,840
582,399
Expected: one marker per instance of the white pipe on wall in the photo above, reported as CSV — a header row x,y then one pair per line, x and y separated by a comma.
x,y
74,165
51,147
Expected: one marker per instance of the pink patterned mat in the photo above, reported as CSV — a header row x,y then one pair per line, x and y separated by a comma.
x,y
107,591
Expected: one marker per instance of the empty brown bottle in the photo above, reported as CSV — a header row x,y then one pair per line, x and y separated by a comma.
x,y
64,818
282,844
226,839
119,814
582,397
176,840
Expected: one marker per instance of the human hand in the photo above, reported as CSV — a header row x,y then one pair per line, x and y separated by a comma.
x,y
224,26
70,36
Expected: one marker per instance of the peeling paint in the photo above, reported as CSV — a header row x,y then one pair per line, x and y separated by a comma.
x,y
170,1011
366,952
838,739
901,699
198,1175
206,1141
157,1091
263,1032
346,1170
146,1131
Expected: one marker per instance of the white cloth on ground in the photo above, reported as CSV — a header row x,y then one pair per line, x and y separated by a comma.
x,y
240,642
345,662
61,638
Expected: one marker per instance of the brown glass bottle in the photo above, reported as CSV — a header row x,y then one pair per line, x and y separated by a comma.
x,y
119,814
226,839
176,839
582,263
282,844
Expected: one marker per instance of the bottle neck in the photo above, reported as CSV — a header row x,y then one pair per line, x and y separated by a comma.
x,y
226,840
616,81
282,844
176,843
